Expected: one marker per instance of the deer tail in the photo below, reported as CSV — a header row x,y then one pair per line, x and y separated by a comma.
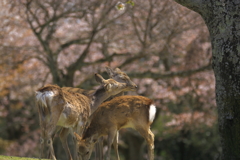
x,y
152,112
43,99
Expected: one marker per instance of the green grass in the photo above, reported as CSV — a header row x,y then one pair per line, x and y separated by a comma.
x,y
17,158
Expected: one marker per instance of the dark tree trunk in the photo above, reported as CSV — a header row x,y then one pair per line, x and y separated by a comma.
x,y
222,18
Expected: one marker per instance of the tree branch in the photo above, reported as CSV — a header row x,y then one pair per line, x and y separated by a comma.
x,y
106,59
147,23
136,29
130,60
79,62
156,76
71,42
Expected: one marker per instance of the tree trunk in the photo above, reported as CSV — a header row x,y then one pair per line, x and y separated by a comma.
x,y
222,18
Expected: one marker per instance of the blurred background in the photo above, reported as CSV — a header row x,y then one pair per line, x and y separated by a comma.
x,y
163,47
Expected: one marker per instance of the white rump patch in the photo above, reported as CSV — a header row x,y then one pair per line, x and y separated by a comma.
x,y
43,96
152,112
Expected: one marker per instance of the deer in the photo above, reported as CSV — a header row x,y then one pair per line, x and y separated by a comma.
x,y
117,75
135,112
70,110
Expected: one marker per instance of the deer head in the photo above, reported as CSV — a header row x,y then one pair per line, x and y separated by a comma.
x,y
120,76
112,86
85,146
109,87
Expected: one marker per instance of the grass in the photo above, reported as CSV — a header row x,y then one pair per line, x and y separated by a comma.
x,y
17,158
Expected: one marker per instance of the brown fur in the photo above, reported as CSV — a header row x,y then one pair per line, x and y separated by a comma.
x,y
120,112
79,90
74,99
69,109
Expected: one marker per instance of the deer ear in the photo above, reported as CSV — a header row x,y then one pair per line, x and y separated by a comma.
x,y
77,136
99,78
108,87
117,70
110,71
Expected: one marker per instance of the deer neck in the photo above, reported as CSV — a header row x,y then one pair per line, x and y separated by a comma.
x,y
91,132
119,94
98,97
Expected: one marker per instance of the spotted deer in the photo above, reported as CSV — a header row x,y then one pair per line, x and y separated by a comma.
x,y
135,112
115,74
119,76
70,110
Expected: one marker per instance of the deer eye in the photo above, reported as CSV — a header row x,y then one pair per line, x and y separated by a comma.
x,y
87,153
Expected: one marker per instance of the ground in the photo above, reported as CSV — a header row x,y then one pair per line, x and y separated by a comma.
x,y
16,158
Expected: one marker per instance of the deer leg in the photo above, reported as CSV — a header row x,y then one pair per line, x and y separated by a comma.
x,y
47,138
78,129
111,137
75,150
42,144
63,137
150,144
50,128
43,138
149,137
115,145
50,145
53,136
99,149
50,142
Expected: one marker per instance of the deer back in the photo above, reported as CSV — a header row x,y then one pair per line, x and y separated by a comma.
x,y
53,101
121,112
79,90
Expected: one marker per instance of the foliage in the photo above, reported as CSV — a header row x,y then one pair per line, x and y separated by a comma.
x,y
16,158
